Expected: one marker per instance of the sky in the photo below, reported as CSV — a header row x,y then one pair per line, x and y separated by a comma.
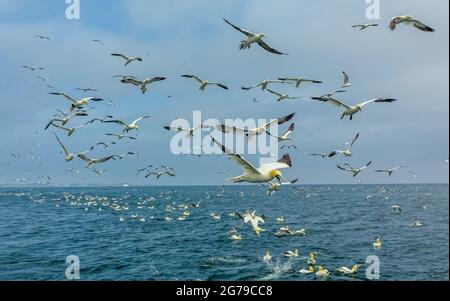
x,y
178,37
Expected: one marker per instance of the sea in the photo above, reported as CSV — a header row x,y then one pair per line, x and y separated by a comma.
x,y
136,233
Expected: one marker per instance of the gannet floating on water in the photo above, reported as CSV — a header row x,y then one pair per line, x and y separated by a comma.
x,y
389,171
364,26
267,256
264,174
322,272
355,171
346,80
352,110
377,244
69,156
256,131
205,83
77,104
264,84
416,224
127,127
310,270
282,97
347,271
291,253
127,59
409,20
300,80
253,38
253,219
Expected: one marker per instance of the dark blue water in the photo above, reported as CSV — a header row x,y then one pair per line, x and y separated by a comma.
x,y
39,228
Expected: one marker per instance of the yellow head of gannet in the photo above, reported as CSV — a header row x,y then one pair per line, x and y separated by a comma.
x,y
276,174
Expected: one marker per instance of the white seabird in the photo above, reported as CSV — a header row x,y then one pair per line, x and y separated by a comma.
x,y
347,271
346,80
264,84
352,110
127,127
253,219
77,104
347,152
282,97
127,59
409,20
355,171
253,38
204,83
69,156
264,174
91,162
285,136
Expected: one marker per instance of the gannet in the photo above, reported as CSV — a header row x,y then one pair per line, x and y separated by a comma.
x,y
127,59
127,127
263,174
120,137
77,104
275,187
312,259
389,171
159,174
396,208
69,131
253,38
364,26
215,216
253,219
322,272
142,84
353,170
347,152
66,119
291,254
189,132
352,110
279,219
267,256
69,156
346,80
298,81
416,224
99,173
42,37
91,162
310,270
281,97
256,131
264,84
98,41
33,68
347,271
377,243
205,83
409,20
331,94
235,237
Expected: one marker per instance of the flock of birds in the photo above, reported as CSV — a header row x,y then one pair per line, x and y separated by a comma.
x,y
266,174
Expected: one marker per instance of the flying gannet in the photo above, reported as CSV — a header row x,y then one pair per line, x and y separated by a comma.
x,y
253,38
264,174
91,162
300,80
77,104
275,187
285,136
204,83
264,84
364,26
42,37
69,131
66,119
140,83
352,110
33,68
346,80
256,131
355,171
127,59
189,132
409,20
282,97
127,127
69,156
347,152
120,137
390,171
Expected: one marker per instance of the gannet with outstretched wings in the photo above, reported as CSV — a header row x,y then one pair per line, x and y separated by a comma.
x,y
352,110
409,20
390,171
205,83
282,97
127,59
264,174
355,171
264,84
127,127
300,80
253,219
253,38
77,104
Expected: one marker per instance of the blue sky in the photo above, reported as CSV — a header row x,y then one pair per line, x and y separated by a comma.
x,y
190,37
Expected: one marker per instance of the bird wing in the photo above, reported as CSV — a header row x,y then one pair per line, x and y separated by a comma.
x,y
139,119
332,101
290,130
422,26
193,76
354,140
120,55
378,100
367,165
280,121
275,93
284,162
244,31
344,169
62,146
221,86
346,78
65,95
270,49
248,168
115,121
84,158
